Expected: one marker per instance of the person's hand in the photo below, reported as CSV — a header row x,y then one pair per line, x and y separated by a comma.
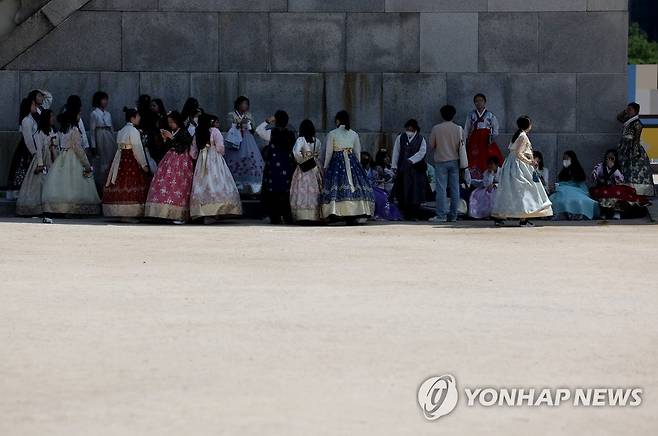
x,y
166,134
146,169
39,169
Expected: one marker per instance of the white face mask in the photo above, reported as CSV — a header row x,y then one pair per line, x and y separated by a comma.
x,y
566,163
410,135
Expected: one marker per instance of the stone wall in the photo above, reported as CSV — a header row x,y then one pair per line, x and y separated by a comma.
x,y
563,62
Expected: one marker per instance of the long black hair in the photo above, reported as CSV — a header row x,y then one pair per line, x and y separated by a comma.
x,y
74,104
25,109
45,126
307,131
281,119
67,120
130,113
178,119
343,118
239,101
202,132
190,108
540,159
161,107
98,97
608,172
523,123
573,172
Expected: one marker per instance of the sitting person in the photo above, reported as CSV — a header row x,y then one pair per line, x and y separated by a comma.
x,y
379,176
542,171
610,191
571,200
482,199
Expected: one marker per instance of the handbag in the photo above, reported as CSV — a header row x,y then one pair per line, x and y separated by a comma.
x,y
309,164
234,138
463,154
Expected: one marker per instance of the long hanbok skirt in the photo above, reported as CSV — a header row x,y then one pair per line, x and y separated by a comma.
x,y
339,198
384,208
518,195
214,192
481,203
618,197
18,169
30,198
479,151
636,167
305,191
126,197
169,195
572,201
246,164
66,190
106,148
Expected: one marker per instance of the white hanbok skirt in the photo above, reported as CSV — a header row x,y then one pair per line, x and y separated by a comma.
x,y
67,190
214,192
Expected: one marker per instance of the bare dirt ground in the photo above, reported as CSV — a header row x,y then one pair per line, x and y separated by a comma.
x,y
245,329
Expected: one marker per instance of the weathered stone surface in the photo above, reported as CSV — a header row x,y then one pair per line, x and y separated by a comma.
x,y
607,5
59,10
8,143
308,42
549,99
448,42
463,87
584,42
121,5
298,94
418,96
10,100
55,50
383,42
536,5
26,8
590,148
172,88
170,41
240,50
224,5
436,5
23,36
336,6
508,42
216,93
359,94
546,143
600,98
123,89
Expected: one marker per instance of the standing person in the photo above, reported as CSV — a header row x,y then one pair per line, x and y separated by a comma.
x,y
380,177
408,163
214,193
156,121
190,113
69,187
571,200
102,136
610,191
74,106
482,200
30,200
243,156
129,177
520,193
542,171
42,98
445,141
633,159
481,130
346,191
27,148
306,184
169,195
279,167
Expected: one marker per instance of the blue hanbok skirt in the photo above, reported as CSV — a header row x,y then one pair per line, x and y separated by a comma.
x,y
339,198
571,200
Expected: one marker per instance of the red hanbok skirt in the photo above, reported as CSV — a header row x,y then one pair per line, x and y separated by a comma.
x,y
618,197
480,150
127,196
169,196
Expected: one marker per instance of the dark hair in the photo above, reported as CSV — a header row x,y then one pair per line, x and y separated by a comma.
x,y
343,118
178,118
281,119
484,97
635,106
74,104
608,172
540,159
523,123
493,160
307,131
130,113
25,109
143,102
33,95
239,101
190,107
413,124
161,106
574,172
98,96
202,132
380,157
448,112
365,154
44,121
67,120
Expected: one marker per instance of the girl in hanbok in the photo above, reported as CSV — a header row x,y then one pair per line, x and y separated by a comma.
x,y
571,200
610,191
103,140
411,184
306,183
26,149
30,200
191,113
169,195
74,107
542,171
481,202
214,193
129,177
481,129
151,126
382,179
520,193
69,187
243,156
346,192
634,162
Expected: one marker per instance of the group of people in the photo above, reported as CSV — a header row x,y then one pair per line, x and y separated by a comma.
x,y
178,166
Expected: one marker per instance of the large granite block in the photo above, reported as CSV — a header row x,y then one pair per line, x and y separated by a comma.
x,y
600,98
418,96
71,45
10,100
594,42
121,5
607,5
59,10
448,42
172,88
463,87
383,42
359,94
224,5
22,37
8,142
170,41
336,6
590,148
244,41
436,5
549,99
301,95
216,93
123,90
536,5
308,42
508,42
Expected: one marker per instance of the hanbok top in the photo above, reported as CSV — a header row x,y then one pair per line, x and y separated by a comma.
x,y
601,177
490,178
481,120
44,143
216,142
180,142
419,156
99,119
83,133
245,120
72,140
340,140
128,138
28,129
304,150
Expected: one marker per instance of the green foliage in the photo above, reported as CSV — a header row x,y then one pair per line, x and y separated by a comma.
x,y
641,50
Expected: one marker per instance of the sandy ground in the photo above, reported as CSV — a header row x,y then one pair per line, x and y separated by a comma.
x,y
243,329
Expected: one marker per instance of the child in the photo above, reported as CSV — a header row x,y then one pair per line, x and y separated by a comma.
x,y
481,129
542,171
483,198
102,136
306,183
609,189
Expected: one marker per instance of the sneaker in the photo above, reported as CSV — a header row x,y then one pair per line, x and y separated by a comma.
x,y
616,216
526,224
178,222
499,223
438,220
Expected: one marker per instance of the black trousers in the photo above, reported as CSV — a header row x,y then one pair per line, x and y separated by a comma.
x,y
277,206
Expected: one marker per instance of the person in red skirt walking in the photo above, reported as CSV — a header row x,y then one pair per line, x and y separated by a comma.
x,y
481,129
129,178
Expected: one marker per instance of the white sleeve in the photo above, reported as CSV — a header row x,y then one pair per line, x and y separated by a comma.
x,y
421,153
263,132
396,153
467,124
297,150
329,150
93,123
83,133
356,148
28,136
495,126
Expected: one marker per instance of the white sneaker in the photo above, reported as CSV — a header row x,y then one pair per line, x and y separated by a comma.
x,y
616,216
438,220
178,222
